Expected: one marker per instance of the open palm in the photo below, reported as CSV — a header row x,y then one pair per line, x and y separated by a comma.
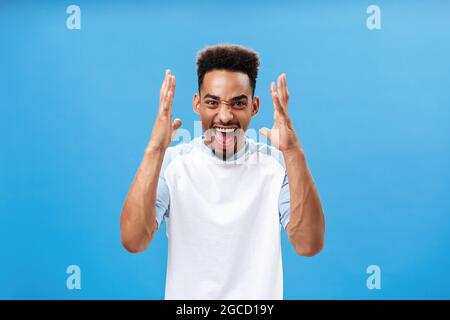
x,y
282,134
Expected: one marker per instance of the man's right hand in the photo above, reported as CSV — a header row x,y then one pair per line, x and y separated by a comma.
x,y
163,129
138,222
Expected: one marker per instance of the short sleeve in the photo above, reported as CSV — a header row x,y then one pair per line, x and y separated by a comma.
x,y
284,205
162,200
162,191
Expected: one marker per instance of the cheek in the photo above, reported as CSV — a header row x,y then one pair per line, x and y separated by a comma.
x,y
206,117
244,120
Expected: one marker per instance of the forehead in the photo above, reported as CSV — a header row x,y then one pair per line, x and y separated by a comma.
x,y
226,84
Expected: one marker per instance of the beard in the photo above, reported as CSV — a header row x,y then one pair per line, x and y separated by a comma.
x,y
224,144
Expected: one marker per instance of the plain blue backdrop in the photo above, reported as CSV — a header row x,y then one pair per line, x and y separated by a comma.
x,y
371,108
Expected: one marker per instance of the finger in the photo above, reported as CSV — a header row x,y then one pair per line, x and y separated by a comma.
x,y
176,124
265,132
280,89
164,88
168,96
172,95
275,98
167,100
285,90
168,84
174,83
165,103
164,84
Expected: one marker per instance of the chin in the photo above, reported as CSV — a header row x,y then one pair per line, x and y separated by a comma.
x,y
228,150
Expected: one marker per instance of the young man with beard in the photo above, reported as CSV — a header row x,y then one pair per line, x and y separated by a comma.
x,y
224,197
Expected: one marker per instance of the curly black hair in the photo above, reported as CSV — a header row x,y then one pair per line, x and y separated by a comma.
x,y
228,57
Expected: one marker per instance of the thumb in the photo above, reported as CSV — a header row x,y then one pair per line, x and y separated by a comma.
x,y
176,124
265,132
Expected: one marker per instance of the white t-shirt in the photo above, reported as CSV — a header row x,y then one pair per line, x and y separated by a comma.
x,y
223,221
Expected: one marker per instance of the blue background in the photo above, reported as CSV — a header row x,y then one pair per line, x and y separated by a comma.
x,y
371,108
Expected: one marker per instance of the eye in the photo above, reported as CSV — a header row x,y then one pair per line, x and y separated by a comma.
x,y
240,104
211,103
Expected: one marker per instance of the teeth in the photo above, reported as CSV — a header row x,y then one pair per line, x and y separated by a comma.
x,y
226,130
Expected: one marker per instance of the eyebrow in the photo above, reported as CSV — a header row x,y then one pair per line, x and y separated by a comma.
x,y
218,98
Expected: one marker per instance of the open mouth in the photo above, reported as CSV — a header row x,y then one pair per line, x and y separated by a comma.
x,y
225,136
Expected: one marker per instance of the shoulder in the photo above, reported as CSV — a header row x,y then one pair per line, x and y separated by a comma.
x,y
265,150
174,152
180,149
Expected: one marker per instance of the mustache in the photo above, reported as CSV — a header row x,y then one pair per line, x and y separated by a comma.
x,y
209,135
225,124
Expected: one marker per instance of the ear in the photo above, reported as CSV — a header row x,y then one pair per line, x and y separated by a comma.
x,y
196,103
255,105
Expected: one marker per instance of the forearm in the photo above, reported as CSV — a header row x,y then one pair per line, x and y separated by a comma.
x,y
306,224
138,221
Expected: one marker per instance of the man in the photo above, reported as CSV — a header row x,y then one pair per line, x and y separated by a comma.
x,y
224,196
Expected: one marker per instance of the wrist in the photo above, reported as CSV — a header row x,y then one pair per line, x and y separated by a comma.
x,y
294,151
154,148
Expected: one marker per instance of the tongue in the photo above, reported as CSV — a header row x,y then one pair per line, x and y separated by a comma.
x,y
224,139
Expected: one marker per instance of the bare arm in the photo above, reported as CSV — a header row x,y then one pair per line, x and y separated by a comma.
x,y
138,221
306,227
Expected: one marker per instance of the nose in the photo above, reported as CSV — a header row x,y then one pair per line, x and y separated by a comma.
x,y
225,115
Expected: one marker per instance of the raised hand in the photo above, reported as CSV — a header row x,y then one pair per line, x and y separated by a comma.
x,y
282,134
164,129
